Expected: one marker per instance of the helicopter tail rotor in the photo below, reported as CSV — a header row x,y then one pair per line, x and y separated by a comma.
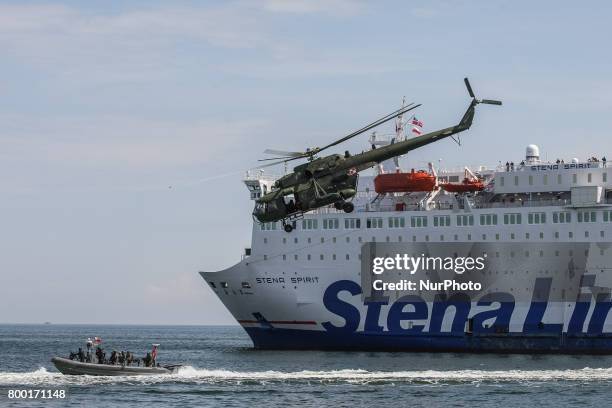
x,y
475,100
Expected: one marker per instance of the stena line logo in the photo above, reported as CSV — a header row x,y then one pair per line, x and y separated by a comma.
x,y
499,308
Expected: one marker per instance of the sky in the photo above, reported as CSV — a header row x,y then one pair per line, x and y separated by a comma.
x,y
126,127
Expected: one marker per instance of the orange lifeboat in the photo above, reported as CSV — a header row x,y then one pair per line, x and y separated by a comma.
x,y
404,182
466,186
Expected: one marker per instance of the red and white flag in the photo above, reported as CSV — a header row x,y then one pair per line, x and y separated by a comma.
x,y
97,340
417,126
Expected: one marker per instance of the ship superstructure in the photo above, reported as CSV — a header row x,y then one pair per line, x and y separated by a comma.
x,y
545,226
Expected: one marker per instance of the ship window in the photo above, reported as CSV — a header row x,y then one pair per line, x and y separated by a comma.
x,y
562,217
545,179
453,179
541,253
497,237
308,257
541,235
559,179
501,181
348,239
516,180
399,238
574,178
456,237
589,178
441,237
295,240
265,257
321,257
388,238
348,257
484,237
223,285
414,238
331,223
268,226
417,222
359,239
607,216
284,240
488,219
441,221
309,240
526,235
465,220
246,285
374,222
284,257
334,240
587,216
604,177
397,222
309,224
557,234
427,238
571,234
265,240
512,218
469,237
531,180
512,235
322,240
334,257
536,218
352,223
212,284
586,234
601,234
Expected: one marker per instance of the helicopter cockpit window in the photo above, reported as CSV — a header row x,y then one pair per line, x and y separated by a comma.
x,y
289,201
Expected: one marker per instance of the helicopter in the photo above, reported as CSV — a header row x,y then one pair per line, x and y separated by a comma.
x,y
332,179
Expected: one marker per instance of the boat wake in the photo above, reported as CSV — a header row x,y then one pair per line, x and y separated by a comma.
x,y
192,375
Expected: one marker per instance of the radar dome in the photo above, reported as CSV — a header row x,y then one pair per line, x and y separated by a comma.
x,y
532,153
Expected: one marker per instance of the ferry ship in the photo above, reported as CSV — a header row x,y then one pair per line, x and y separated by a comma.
x,y
544,227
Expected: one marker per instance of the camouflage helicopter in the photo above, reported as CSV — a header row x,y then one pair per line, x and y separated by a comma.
x,y
332,179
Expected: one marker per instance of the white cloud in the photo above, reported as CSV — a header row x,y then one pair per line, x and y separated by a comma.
x,y
331,7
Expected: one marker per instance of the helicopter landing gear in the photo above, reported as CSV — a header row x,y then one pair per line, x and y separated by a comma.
x,y
345,206
288,227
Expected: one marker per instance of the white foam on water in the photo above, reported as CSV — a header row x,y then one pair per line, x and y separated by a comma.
x,y
190,374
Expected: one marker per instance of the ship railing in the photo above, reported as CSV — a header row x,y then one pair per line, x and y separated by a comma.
x,y
441,206
527,166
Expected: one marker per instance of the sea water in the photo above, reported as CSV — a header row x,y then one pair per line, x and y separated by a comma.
x,y
222,369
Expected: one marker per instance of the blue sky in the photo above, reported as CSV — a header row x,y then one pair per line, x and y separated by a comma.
x,y
104,105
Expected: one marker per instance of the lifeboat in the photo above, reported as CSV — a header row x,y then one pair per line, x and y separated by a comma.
x,y
404,182
466,186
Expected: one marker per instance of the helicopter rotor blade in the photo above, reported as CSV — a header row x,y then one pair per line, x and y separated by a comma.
x,y
372,125
469,87
491,102
277,158
282,153
278,162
